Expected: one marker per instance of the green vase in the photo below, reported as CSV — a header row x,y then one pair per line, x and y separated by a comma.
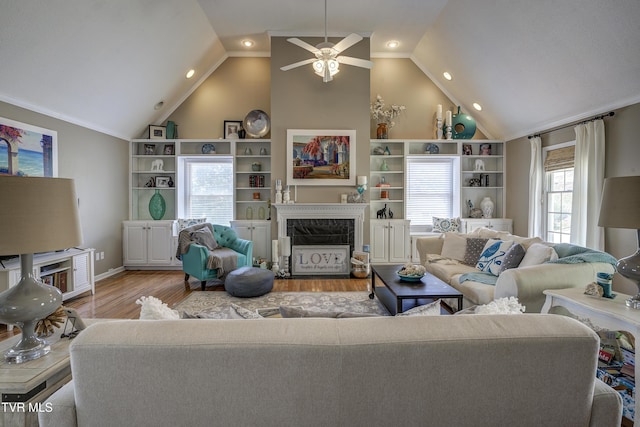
x,y
157,206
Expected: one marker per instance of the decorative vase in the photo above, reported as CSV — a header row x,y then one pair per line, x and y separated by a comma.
x,y
249,213
382,131
157,206
384,166
487,207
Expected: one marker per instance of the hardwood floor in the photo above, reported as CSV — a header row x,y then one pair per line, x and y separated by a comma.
x,y
116,296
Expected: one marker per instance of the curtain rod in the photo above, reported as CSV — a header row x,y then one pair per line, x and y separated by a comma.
x,y
602,116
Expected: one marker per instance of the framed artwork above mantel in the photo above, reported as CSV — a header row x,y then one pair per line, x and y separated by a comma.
x,y
321,157
27,150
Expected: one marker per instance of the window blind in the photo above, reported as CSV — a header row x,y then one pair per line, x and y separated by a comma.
x,y
429,189
209,189
561,158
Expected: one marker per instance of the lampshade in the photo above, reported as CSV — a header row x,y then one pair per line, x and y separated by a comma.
x,y
38,215
620,207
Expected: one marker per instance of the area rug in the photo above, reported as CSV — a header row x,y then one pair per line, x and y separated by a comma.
x,y
216,304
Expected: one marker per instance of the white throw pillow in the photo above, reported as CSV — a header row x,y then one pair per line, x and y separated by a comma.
x,y
454,246
537,254
154,309
493,256
432,309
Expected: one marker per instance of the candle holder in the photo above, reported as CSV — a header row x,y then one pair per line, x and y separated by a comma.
x,y
448,132
439,128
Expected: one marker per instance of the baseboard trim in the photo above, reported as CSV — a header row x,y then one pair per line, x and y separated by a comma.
x,y
111,272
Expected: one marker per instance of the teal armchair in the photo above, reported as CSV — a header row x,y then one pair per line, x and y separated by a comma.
x,y
194,261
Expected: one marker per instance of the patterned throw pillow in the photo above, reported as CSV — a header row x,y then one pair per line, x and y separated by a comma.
x,y
493,255
431,309
513,257
446,224
475,246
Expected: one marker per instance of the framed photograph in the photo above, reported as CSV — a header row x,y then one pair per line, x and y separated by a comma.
x,y
162,181
169,150
157,132
466,149
29,150
485,149
231,129
321,157
149,149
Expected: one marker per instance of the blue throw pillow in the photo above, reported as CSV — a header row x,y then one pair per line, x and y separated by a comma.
x,y
493,255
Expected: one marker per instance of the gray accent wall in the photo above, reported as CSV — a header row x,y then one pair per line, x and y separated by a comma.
x,y
622,158
99,164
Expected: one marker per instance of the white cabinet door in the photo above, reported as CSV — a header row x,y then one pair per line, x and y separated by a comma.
x,y
83,273
379,241
259,232
159,243
135,243
399,241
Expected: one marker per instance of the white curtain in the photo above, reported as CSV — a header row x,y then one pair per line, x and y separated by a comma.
x,y
588,179
536,174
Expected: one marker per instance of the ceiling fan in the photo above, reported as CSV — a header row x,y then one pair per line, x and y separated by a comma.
x,y
327,62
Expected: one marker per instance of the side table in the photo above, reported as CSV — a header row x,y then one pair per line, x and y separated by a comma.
x,y
612,314
25,386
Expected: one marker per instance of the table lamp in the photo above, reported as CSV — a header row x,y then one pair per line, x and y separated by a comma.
x,y
620,208
36,215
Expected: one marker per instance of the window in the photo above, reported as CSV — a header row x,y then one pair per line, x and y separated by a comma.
x,y
207,190
431,190
558,188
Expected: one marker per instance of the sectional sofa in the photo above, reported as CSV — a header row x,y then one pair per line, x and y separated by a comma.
x,y
453,258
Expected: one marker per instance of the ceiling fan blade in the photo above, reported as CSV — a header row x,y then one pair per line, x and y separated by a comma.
x,y
347,42
355,61
303,45
297,64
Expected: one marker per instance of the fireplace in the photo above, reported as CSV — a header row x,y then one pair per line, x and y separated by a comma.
x,y
323,235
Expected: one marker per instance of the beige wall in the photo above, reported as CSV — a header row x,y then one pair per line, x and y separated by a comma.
x,y
99,164
621,153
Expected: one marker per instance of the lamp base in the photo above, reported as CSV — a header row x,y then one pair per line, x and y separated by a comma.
x,y
29,347
629,267
24,305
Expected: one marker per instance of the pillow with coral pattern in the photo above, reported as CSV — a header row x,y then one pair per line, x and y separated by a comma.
x,y
446,224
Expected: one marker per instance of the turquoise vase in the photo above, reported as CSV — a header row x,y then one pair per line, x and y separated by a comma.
x,y
157,206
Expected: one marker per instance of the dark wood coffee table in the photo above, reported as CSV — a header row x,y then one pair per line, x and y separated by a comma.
x,y
398,296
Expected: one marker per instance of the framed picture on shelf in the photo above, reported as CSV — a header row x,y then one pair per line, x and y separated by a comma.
x,y
321,157
466,149
485,149
162,181
231,129
149,149
157,132
169,150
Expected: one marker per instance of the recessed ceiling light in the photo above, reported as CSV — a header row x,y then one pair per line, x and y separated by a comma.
x,y
247,43
392,44
190,73
159,105
477,106
447,75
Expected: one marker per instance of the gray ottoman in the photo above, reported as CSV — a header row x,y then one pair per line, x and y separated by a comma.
x,y
247,282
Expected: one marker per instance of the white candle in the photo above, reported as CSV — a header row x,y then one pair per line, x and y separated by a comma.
x,y
439,112
448,119
274,250
285,246
362,180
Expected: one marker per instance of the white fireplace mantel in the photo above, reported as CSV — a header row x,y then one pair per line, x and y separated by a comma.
x,y
355,211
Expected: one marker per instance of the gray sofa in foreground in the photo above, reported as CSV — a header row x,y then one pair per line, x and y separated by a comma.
x,y
474,370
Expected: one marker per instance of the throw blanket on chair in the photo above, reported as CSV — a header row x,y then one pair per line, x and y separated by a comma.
x,y
220,258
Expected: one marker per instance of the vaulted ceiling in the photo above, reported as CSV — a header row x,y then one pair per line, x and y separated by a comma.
x,y
532,65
